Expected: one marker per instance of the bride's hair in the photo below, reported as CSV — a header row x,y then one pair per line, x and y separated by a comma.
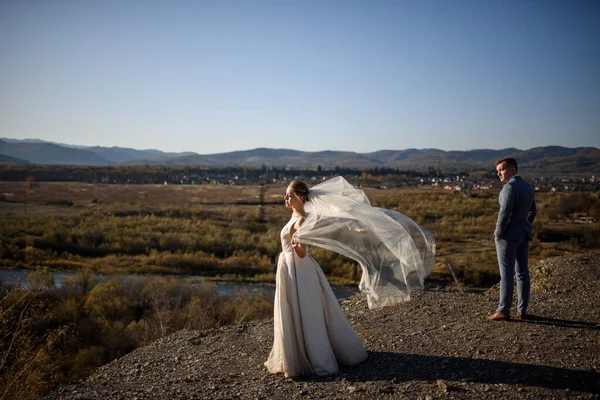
x,y
300,189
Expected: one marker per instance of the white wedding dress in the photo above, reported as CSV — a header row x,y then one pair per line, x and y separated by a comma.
x,y
311,333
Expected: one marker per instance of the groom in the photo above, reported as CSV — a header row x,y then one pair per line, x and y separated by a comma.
x,y
512,235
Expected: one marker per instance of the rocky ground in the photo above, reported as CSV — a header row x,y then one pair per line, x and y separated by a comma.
x,y
440,345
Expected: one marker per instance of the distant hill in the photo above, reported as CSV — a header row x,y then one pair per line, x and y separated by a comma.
x,y
9,140
582,159
548,159
11,160
122,155
48,153
42,152
277,157
558,158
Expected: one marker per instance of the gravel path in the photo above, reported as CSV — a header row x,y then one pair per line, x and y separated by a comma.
x,y
440,345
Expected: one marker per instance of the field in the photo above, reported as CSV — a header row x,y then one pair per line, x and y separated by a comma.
x,y
216,230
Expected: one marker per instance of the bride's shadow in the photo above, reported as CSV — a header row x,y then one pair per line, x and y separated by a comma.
x,y
386,366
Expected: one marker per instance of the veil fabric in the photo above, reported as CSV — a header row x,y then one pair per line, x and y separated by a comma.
x,y
394,252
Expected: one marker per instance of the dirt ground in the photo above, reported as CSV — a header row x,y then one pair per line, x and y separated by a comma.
x,y
439,345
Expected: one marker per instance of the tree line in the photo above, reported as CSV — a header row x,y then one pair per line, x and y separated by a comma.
x,y
148,174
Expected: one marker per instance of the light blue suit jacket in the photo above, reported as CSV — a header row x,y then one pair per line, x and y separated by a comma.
x,y
517,210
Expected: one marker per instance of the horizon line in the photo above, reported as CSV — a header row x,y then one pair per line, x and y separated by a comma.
x,y
287,149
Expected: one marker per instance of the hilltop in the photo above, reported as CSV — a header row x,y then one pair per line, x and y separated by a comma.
x,y
440,345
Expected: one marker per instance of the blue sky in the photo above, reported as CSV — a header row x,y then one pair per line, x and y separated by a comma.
x,y
217,76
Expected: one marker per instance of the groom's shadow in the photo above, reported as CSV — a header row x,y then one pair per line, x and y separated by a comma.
x,y
562,323
386,366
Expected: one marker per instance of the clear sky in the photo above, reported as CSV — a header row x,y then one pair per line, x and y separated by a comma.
x,y
218,76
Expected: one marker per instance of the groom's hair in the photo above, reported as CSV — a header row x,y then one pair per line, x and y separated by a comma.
x,y
510,162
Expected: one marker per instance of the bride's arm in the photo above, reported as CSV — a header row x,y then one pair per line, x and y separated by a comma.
x,y
299,248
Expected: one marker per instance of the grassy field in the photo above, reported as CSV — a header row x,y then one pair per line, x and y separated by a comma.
x,y
214,230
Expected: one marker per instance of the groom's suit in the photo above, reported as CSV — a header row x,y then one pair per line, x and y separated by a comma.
x,y
512,235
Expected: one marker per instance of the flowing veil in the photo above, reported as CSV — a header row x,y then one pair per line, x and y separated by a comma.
x,y
394,252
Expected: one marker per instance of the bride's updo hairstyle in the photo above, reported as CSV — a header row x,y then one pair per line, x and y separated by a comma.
x,y
300,189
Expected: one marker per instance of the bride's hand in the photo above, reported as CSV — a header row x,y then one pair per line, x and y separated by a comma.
x,y
299,248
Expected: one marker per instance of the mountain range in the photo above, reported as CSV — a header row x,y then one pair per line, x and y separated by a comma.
x,y
548,158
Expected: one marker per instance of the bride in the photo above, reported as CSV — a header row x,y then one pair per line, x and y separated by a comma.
x,y
311,333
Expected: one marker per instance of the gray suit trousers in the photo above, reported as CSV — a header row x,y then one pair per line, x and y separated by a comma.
x,y
513,257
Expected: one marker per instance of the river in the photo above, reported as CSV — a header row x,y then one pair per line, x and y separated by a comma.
x,y
226,289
